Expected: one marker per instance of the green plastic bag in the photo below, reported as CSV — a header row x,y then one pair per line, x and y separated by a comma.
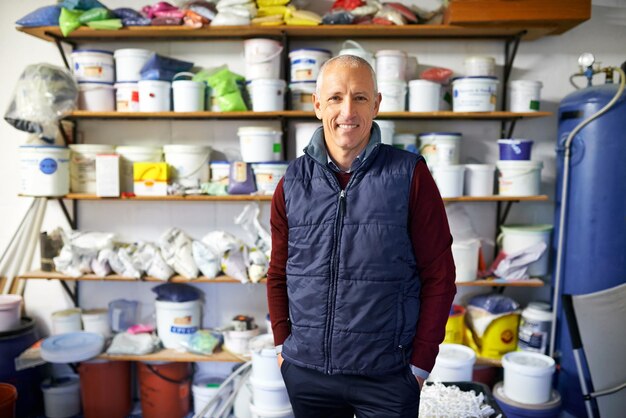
x,y
109,24
69,20
231,102
94,14
223,82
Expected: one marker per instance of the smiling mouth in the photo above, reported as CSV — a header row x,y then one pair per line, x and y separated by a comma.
x,y
347,126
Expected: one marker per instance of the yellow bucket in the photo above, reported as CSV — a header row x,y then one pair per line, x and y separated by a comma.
x,y
455,327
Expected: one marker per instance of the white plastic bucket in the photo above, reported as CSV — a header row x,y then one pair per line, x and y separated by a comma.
x,y
424,96
189,163
44,170
302,95
305,63
524,95
188,94
304,133
449,179
267,95
267,175
407,142
93,65
260,144
96,97
519,178
393,95
61,397
67,320
83,166
465,254
264,360
479,179
480,66
454,363
128,63
430,140
220,171
269,394
262,58
518,237
131,154
534,328
97,320
154,96
474,94
239,341
127,97
9,312
176,321
257,412
390,65
387,131
204,390
528,376
351,47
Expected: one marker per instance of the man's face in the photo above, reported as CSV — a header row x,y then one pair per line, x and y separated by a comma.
x,y
347,104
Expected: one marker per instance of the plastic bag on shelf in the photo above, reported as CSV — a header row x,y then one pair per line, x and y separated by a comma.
x,y
44,16
125,343
163,68
148,258
206,259
42,96
176,249
234,263
203,8
82,4
436,74
108,24
121,261
482,310
68,20
131,17
258,236
98,13
258,265
338,17
203,342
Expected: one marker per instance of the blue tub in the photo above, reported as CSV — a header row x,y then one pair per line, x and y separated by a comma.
x,y
513,409
515,149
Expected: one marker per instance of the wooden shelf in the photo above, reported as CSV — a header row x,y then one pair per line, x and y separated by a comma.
x,y
170,354
502,283
299,114
183,33
38,274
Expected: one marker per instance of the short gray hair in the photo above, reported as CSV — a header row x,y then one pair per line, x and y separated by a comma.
x,y
351,61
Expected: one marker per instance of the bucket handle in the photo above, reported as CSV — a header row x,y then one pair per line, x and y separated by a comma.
x,y
352,43
523,173
271,57
169,379
204,162
183,74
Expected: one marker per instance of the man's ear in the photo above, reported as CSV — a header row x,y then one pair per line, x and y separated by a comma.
x,y
317,106
379,97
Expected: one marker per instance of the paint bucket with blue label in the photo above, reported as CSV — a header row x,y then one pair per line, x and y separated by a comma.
x,y
177,321
44,170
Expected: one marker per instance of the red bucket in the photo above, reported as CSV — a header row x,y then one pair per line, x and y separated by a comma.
x,y
101,399
8,396
165,389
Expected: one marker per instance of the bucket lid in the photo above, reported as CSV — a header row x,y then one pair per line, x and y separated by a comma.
x,y
459,134
477,78
528,363
9,301
553,403
72,347
514,141
61,384
525,83
479,58
186,148
94,313
126,52
480,167
26,325
538,311
390,53
418,82
304,50
455,355
98,51
66,313
138,149
188,83
530,229
520,164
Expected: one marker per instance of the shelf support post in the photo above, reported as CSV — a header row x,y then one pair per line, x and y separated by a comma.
x,y
59,43
71,220
72,295
510,51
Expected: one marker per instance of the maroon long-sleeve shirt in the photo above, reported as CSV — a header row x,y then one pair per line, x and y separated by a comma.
x,y
430,235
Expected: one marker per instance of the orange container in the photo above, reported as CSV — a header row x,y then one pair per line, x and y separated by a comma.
x,y
105,388
8,396
164,389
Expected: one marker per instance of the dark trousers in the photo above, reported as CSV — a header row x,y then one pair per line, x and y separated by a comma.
x,y
317,395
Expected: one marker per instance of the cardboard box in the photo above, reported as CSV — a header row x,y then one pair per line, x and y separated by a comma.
x,y
150,179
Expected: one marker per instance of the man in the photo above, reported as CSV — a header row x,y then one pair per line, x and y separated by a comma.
x,y
361,277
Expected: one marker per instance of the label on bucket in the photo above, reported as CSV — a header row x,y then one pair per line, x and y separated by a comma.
x,y
183,330
48,166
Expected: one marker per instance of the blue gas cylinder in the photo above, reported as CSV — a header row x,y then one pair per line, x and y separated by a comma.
x,y
594,256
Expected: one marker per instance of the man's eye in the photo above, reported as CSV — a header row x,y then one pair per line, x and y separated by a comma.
x,y
361,99
334,99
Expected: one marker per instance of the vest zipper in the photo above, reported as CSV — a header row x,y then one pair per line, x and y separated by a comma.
x,y
334,277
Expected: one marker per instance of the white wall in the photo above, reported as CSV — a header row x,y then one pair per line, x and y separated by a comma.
x,y
550,60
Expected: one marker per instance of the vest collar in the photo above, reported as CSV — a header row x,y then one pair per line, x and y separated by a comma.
x,y
317,146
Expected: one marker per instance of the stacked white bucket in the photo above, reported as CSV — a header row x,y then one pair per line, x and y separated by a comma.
x,y
442,152
266,88
477,91
269,394
391,75
128,64
95,73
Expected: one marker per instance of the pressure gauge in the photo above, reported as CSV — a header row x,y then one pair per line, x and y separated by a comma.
x,y
586,59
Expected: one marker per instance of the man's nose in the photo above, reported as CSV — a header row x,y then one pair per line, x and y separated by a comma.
x,y
347,107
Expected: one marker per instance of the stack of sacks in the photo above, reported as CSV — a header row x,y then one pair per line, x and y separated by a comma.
x,y
302,17
370,12
86,12
271,12
234,13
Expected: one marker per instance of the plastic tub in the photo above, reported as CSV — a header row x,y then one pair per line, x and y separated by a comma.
x,y
534,328
304,133
97,320
267,95
9,312
220,171
128,63
188,95
131,154
44,170
93,65
479,179
528,377
262,58
269,394
258,412
454,363
302,95
127,97
260,144
154,96
424,96
387,131
524,95
390,65
83,166
407,142
465,254
239,341
474,94
189,163
267,175
519,178
306,63
479,66
8,398
164,389
449,179
515,149
430,140
65,321
204,389
393,95
264,360
96,97
61,397
99,398
513,409
517,237
176,321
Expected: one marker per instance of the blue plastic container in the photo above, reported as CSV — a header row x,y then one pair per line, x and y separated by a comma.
x,y
512,409
515,149
12,344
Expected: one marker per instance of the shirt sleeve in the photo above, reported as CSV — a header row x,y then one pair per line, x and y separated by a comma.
x,y
432,241
277,299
